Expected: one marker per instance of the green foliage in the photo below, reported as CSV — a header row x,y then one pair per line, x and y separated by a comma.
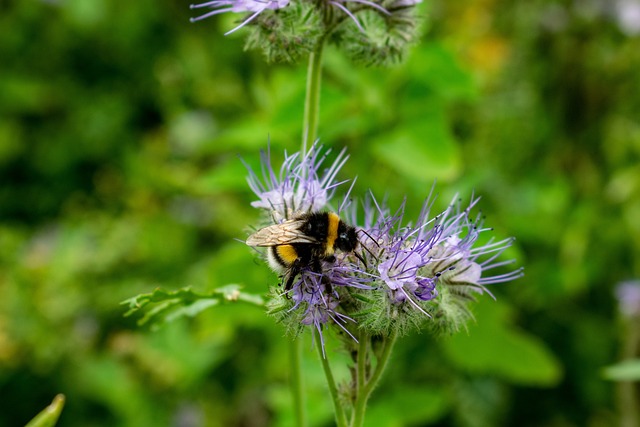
x,y
627,370
120,126
428,405
49,415
521,358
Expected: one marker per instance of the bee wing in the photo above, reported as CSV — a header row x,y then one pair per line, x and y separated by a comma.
x,y
280,234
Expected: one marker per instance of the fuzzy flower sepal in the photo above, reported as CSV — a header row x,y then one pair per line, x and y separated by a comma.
x,y
374,32
286,36
381,38
424,270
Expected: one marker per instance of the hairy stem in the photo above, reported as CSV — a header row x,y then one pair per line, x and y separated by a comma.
x,y
365,390
295,356
341,418
312,98
627,394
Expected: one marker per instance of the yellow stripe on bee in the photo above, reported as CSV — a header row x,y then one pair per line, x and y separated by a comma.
x,y
332,233
287,254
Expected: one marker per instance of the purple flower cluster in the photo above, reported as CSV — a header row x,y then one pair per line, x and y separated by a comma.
x,y
317,303
399,266
256,7
413,261
300,185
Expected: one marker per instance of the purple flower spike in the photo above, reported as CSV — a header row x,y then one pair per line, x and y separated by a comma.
x,y
314,294
412,261
400,270
426,289
238,6
300,185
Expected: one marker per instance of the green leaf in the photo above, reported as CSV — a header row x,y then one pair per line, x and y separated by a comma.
x,y
434,70
184,302
229,175
627,370
422,151
492,346
427,404
49,415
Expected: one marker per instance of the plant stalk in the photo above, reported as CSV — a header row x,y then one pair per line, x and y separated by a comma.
x,y
297,386
341,418
312,97
627,394
369,385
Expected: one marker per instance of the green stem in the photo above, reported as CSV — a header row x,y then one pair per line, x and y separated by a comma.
x,y
341,418
295,356
363,346
364,392
312,98
627,394
309,132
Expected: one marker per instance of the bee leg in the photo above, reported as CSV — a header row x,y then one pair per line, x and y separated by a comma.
x,y
294,270
316,267
328,287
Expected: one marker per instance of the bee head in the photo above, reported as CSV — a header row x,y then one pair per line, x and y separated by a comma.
x,y
347,240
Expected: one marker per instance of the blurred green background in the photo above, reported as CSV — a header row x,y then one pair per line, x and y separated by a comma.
x,y
120,129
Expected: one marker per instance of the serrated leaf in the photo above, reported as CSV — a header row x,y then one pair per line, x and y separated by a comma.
x,y
48,417
627,370
184,302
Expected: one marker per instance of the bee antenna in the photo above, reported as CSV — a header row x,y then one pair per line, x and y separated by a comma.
x,y
370,253
357,255
366,248
369,236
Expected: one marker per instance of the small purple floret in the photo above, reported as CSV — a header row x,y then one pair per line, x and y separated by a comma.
x,y
238,6
300,185
413,260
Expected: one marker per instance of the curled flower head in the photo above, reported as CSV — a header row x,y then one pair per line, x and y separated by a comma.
x,y
255,7
238,6
401,269
300,185
398,273
318,300
318,297
342,5
373,32
417,266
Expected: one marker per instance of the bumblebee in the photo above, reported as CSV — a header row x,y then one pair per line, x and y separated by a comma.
x,y
304,242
